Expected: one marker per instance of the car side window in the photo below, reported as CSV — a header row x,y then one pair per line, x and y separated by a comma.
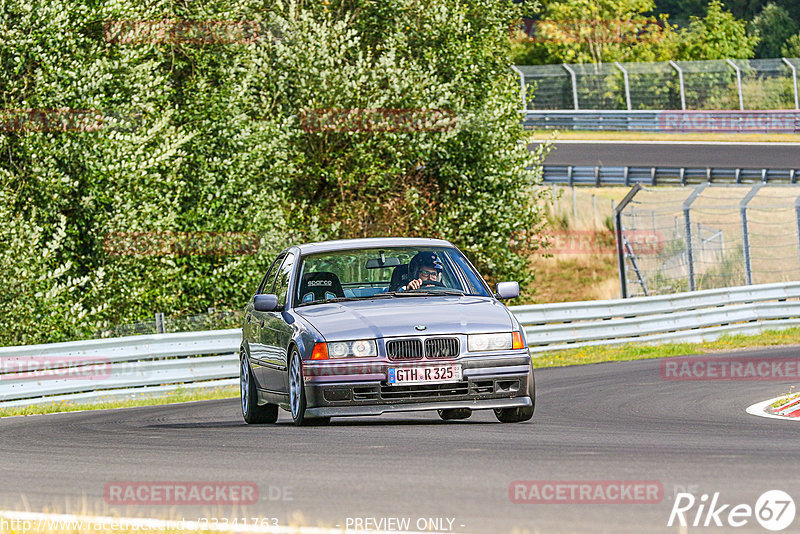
x,y
281,286
266,283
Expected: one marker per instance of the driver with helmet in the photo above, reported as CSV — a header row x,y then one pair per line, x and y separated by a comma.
x,y
424,269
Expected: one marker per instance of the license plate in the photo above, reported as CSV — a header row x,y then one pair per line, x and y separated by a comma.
x,y
424,374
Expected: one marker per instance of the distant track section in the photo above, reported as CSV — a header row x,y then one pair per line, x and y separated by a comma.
x,y
688,154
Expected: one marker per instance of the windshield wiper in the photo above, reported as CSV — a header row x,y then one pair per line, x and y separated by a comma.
x,y
429,292
347,299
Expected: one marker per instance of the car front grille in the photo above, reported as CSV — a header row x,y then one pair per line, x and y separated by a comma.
x,y
414,349
441,347
404,349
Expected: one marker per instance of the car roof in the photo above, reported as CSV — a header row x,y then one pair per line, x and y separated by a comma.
x,y
372,242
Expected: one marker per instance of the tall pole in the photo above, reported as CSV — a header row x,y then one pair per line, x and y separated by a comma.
x,y
574,85
623,284
521,87
627,84
794,81
738,81
680,83
748,272
687,227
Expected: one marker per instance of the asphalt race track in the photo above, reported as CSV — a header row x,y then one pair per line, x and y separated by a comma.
x,y
675,154
609,422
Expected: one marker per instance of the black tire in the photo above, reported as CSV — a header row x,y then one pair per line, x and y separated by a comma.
x,y
514,415
454,413
523,413
297,395
251,411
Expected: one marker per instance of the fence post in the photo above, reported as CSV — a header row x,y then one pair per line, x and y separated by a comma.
x,y
687,227
521,86
160,328
748,275
794,81
623,283
627,84
574,85
574,206
680,83
738,81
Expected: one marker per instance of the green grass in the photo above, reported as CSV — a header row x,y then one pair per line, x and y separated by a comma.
x,y
635,351
785,399
179,395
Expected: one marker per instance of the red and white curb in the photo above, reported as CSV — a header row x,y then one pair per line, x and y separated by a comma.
x,y
788,411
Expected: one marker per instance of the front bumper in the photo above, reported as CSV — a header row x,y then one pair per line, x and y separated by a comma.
x,y
360,388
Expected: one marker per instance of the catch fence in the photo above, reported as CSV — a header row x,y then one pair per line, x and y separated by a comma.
x,y
710,236
730,84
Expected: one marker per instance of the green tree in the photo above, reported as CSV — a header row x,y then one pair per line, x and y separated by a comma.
x,y
773,27
718,35
219,144
791,48
587,31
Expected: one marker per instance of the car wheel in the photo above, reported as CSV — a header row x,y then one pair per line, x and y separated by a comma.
x,y
514,415
251,411
454,413
297,395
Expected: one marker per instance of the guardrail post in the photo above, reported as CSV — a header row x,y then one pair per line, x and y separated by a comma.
x,y
738,81
794,81
627,84
521,87
687,227
574,84
623,283
160,327
680,83
748,275
797,219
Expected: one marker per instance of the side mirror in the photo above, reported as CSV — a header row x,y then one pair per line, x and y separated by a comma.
x,y
507,290
265,303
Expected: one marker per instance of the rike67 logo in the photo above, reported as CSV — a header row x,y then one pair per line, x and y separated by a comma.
x,y
774,510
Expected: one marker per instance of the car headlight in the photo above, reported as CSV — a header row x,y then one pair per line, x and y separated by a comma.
x,y
359,348
500,341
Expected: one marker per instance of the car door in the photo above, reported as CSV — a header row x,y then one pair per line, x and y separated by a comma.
x,y
276,332
254,327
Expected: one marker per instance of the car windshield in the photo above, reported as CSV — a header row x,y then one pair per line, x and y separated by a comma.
x,y
386,273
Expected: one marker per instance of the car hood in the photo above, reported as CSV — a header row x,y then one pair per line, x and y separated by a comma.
x,y
340,321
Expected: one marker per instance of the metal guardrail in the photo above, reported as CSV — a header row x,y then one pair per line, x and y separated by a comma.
x,y
626,176
686,317
154,364
126,367
770,121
